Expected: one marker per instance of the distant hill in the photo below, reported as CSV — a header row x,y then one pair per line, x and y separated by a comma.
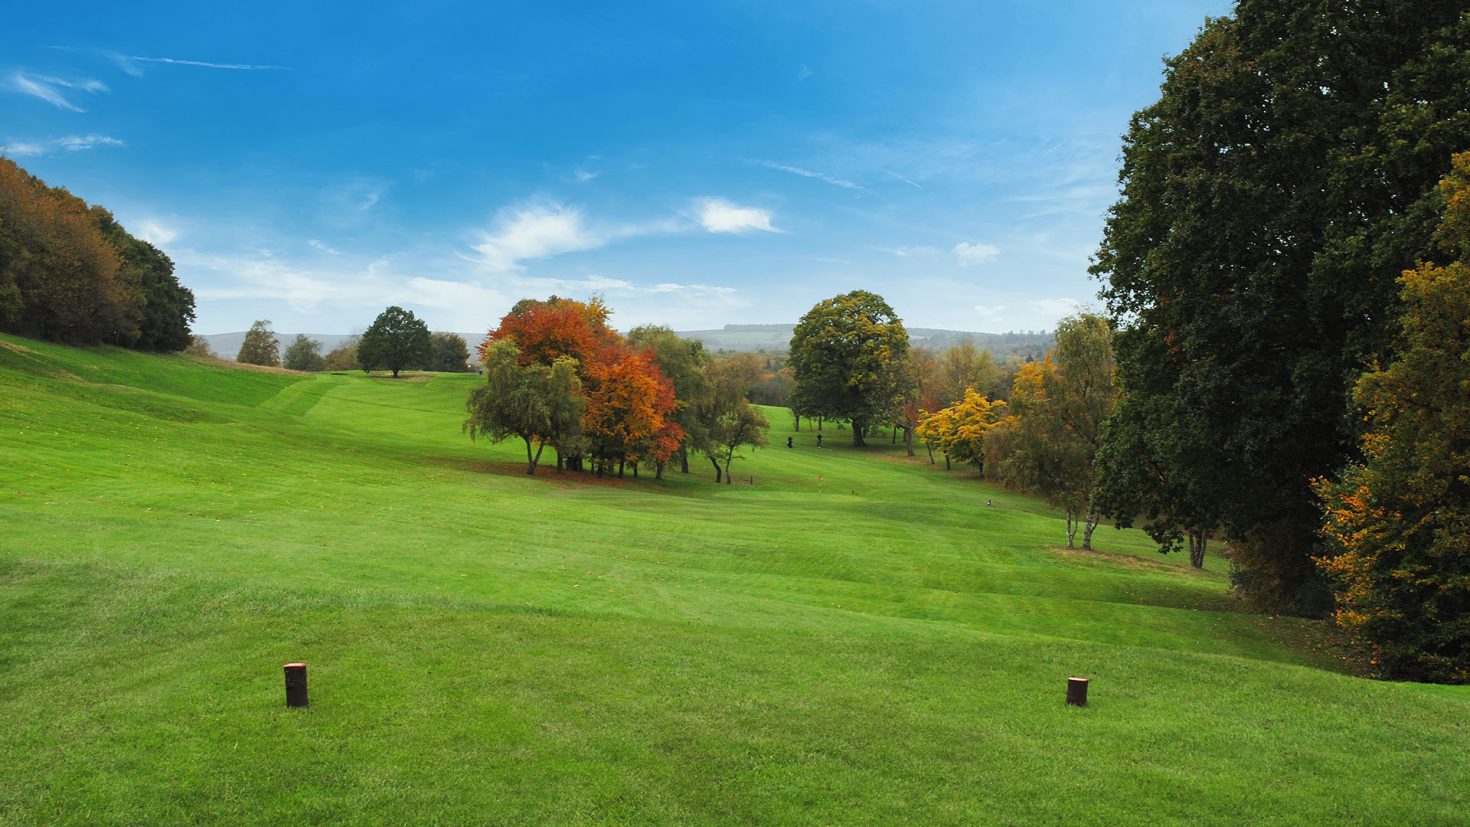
x,y
735,338
769,337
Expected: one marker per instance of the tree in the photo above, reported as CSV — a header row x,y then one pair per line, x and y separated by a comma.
x,y
629,413
684,362
1398,523
1270,198
451,354
727,417
199,346
959,431
304,354
395,340
344,355
965,366
1049,444
260,347
847,354
164,306
541,404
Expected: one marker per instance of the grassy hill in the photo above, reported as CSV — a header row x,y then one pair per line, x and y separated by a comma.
x,y
877,646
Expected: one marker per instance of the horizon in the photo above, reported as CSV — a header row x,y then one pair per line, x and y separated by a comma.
x,y
695,167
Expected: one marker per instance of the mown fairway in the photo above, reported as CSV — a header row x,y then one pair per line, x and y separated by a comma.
x,y
879,647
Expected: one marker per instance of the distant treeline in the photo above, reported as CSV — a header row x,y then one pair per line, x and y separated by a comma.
x,y
70,273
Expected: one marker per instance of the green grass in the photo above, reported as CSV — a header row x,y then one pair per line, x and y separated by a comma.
x,y
877,647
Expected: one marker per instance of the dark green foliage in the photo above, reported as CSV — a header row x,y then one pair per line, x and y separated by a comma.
x,y
165,307
847,355
304,354
451,354
396,340
1270,199
260,347
344,355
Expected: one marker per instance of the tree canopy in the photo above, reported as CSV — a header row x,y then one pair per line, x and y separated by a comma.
x,y
304,354
847,354
395,341
1270,198
260,346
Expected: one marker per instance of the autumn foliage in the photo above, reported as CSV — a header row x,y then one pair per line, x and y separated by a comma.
x,y
1398,523
69,272
627,403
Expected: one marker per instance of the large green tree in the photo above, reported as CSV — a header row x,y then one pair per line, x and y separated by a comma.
x,y
1398,524
304,354
260,346
396,340
1270,199
451,353
847,354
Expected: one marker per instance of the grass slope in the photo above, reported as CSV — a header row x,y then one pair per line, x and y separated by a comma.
x,y
878,646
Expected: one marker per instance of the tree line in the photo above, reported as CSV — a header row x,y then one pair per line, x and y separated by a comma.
x,y
69,272
396,340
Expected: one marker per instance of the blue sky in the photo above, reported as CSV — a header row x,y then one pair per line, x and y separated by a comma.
x,y
696,164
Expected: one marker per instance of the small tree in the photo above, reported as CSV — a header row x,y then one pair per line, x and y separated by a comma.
x,y
847,354
396,340
304,354
727,419
199,346
344,355
541,404
261,347
451,354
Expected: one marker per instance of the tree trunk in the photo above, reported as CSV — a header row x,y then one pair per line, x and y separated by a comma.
x,y
931,453
1071,528
908,439
719,472
1197,540
658,470
1088,525
635,470
621,464
893,436
819,422
946,462
858,426
797,417
684,459
729,478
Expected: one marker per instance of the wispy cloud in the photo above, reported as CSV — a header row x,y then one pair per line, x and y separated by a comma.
x,y
806,173
323,247
720,216
67,143
975,253
582,176
129,64
54,90
907,250
803,73
911,183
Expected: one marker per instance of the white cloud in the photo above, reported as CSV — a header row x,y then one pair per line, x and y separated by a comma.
x,y
323,247
20,149
156,232
806,173
534,232
1056,308
990,312
803,73
67,143
975,253
53,89
720,216
582,176
909,250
